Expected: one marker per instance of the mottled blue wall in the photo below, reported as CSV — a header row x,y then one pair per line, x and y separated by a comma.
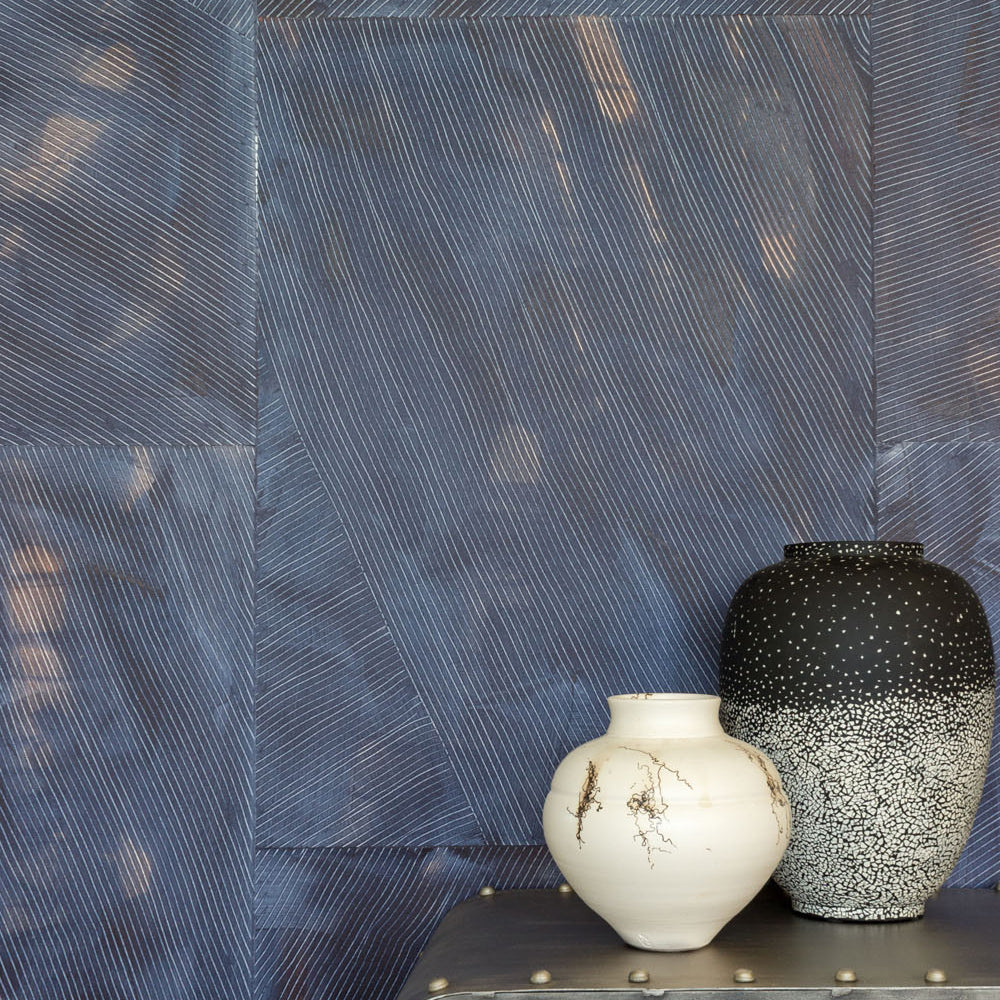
x,y
127,432
335,498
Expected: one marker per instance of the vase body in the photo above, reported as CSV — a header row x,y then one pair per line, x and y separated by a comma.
x,y
866,673
665,826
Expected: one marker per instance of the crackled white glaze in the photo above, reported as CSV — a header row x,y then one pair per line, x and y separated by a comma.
x,y
666,826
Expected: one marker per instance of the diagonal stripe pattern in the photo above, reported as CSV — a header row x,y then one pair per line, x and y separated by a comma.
x,y
572,317
937,239
946,495
346,752
566,328
126,225
125,841
300,9
240,15
350,921
937,220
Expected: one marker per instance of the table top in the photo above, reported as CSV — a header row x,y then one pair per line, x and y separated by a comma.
x,y
492,945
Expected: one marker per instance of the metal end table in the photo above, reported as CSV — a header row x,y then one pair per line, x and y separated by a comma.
x,y
548,945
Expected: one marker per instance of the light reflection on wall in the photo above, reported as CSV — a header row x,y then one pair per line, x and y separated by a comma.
x,y
111,68
35,610
36,602
778,253
644,198
517,456
561,169
135,868
143,477
605,68
65,140
167,275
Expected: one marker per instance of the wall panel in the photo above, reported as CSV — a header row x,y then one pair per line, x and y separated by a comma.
x,y
126,225
937,220
346,750
310,9
937,237
946,495
572,319
350,922
125,766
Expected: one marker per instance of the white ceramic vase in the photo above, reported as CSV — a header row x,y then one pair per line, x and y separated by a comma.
x,y
665,826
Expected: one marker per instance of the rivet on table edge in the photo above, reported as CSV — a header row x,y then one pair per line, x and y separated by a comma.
x,y
487,890
565,887
541,976
935,976
846,976
638,976
437,985
744,976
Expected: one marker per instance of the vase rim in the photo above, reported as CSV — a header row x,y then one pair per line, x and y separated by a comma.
x,y
856,547
664,715
662,696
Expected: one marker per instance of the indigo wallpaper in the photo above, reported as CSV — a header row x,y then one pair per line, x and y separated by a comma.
x,y
353,448
126,225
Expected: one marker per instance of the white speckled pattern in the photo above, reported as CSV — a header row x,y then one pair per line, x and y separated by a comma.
x,y
883,794
866,673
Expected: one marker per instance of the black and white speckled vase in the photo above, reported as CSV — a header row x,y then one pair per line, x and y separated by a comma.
x,y
866,673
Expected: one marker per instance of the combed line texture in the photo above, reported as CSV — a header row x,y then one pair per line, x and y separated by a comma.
x,y
317,9
127,244
937,222
316,911
346,752
566,326
125,849
240,15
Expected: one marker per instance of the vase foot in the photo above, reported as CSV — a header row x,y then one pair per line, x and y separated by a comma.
x,y
678,940
861,914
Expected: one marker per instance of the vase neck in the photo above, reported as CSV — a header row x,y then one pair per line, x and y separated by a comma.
x,y
664,716
831,550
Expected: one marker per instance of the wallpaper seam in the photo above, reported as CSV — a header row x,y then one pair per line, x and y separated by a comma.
x,y
533,18
254,971
873,246
387,848
378,602
126,446
247,36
